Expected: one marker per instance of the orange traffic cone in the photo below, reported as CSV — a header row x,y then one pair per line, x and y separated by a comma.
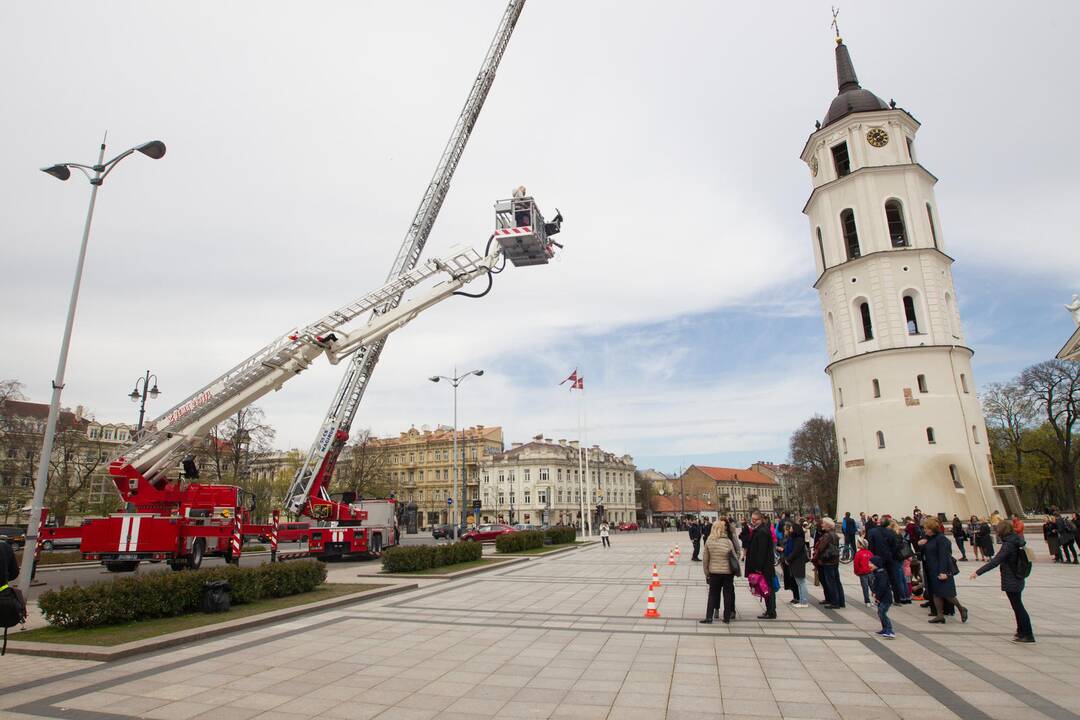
x,y
671,558
650,606
655,577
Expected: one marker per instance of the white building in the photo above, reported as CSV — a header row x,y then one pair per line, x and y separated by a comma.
x,y
909,425
529,479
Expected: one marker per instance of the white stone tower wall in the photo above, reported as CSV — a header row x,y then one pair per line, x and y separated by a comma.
x,y
909,469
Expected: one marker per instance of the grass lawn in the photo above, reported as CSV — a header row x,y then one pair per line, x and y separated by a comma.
x,y
545,549
447,569
142,629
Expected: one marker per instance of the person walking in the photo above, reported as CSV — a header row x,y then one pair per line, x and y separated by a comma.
x,y
794,563
1051,537
720,562
1066,538
959,535
937,556
761,558
884,542
827,561
1006,561
1018,525
605,532
695,539
706,530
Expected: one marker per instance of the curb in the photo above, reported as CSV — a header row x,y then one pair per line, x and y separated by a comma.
x,y
537,556
499,562
139,647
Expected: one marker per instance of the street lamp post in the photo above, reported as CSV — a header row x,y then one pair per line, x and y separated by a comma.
x,y
455,381
96,174
136,396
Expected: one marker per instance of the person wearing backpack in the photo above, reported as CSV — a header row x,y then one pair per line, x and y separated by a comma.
x,y
12,604
1014,570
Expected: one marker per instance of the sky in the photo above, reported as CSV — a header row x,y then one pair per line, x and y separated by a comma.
x,y
301,137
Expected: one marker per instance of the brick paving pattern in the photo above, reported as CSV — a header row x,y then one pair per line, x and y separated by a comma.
x,y
565,637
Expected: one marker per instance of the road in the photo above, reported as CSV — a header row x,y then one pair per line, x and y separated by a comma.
x,y
48,579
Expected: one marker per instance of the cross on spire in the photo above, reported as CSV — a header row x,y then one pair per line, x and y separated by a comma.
x,y
836,25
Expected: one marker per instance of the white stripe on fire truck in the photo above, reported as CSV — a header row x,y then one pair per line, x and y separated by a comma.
x,y
124,525
134,544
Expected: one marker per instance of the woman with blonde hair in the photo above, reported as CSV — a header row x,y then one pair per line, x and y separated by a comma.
x,y
938,559
720,561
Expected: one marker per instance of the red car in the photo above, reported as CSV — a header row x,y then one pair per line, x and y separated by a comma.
x,y
624,526
487,533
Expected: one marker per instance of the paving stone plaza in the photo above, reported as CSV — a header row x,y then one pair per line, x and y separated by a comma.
x,y
565,637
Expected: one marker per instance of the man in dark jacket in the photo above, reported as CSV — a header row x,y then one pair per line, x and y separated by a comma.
x,y
849,527
706,528
885,543
1067,538
761,558
695,538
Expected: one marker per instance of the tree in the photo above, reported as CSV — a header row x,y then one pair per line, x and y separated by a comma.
x,y
644,488
363,469
74,460
1009,411
231,446
19,448
1053,389
814,453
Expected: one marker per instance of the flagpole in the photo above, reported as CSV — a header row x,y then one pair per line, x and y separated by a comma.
x,y
588,478
581,469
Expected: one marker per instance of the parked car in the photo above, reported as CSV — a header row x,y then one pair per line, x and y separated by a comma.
x,y
62,543
625,526
14,534
289,532
487,533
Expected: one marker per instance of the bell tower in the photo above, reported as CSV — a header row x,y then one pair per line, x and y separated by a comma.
x,y
909,425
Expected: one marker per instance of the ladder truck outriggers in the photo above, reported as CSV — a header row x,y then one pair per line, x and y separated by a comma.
x,y
170,518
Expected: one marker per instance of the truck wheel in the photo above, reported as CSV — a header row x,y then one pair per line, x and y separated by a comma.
x,y
177,565
198,549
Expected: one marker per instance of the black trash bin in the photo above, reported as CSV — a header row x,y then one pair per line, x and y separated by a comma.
x,y
216,597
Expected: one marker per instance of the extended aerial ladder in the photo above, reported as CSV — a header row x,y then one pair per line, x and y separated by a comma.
x,y
166,518
313,477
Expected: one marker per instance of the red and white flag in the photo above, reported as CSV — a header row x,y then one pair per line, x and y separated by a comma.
x,y
576,382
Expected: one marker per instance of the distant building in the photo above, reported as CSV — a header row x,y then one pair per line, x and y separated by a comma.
x,y
420,464
734,491
540,482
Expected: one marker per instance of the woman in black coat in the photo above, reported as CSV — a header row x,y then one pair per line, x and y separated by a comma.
x,y
1011,583
761,558
794,562
937,557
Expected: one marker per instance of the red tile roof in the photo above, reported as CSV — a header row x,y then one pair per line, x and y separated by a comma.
x,y
739,475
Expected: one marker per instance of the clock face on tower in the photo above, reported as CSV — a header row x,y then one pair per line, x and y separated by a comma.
x,y
877,137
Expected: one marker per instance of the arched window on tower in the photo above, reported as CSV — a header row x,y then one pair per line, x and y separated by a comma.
x,y
851,233
910,317
921,380
933,230
963,382
867,322
930,438
880,440
954,473
877,388
950,316
894,215
834,340
821,250
975,434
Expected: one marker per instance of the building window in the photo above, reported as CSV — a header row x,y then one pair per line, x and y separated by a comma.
x,y
867,323
841,159
525,473
921,380
954,472
851,233
909,315
933,230
877,388
950,315
880,439
542,496
911,149
528,497
930,438
894,215
975,434
963,383
545,474
843,442
821,250
840,391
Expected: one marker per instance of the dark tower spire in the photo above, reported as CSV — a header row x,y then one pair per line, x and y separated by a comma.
x,y
851,97
846,79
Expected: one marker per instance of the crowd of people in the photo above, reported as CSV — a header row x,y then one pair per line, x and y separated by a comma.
x,y
897,561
